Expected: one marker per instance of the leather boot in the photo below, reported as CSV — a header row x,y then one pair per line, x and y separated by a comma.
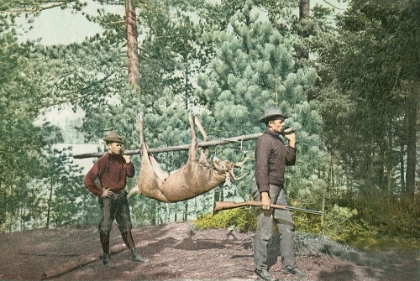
x,y
104,237
294,270
136,257
264,275
129,241
107,261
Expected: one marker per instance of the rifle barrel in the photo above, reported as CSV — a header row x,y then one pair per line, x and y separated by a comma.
x,y
224,205
305,210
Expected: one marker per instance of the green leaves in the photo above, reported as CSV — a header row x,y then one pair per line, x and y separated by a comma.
x,y
255,68
368,67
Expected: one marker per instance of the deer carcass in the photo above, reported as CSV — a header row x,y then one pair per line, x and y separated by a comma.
x,y
191,180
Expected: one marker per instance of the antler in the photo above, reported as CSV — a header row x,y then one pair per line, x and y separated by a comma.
x,y
240,164
237,178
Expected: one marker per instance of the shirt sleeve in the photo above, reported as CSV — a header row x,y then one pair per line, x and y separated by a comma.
x,y
129,170
90,179
262,153
290,155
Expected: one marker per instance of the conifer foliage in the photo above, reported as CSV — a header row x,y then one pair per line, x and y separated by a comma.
x,y
255,68
226,62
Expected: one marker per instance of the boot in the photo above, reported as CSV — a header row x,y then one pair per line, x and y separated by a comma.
x,y
294,270
129,242
263,274
104,237
136,257
107,261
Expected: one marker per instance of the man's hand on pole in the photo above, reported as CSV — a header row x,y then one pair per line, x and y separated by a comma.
x,y
127,158
291,138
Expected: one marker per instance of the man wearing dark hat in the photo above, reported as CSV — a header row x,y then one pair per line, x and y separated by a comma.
x,y
271,158
111,170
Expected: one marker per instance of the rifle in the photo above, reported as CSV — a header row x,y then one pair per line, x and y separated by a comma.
x,y
224,205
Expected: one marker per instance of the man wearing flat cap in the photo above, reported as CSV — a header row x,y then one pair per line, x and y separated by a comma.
x,y
272,156
111,170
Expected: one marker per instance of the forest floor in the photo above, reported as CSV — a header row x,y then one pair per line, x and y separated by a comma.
x,y
178,252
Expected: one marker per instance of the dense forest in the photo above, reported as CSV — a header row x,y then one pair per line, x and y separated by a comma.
x,y
348,78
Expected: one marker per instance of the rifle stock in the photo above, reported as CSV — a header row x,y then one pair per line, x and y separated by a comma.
x,y
225,205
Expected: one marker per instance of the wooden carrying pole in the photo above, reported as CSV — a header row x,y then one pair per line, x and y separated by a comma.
x,y
176,148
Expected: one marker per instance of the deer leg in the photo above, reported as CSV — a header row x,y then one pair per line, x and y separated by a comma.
x,y
161,174
192,154
204,151
150,179
140,122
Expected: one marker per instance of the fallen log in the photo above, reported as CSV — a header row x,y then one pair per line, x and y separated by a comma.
x,y
176,148
78,263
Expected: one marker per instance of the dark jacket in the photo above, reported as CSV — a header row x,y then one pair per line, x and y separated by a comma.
x,y
271,158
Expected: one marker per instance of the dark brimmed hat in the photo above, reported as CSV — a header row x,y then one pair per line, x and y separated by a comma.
x,y
113,137
270,112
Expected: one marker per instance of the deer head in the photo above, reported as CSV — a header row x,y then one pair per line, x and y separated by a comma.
x,y
226,168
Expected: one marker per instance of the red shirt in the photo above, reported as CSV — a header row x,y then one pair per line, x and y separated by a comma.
x,y
111,170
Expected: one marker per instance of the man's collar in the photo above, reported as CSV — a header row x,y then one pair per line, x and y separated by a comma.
x,y
271,132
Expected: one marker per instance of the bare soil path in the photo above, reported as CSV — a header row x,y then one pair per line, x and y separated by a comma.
x,y
177,252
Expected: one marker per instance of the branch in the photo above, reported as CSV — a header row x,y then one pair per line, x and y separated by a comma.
x,y
78,263
80,96
177,148
332,5
38,8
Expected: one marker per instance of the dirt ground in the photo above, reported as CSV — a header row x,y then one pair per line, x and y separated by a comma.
x,y
178,252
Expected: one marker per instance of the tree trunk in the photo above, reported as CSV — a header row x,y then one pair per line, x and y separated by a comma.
x,y
132,54
185,218
402,167
49,204
411,141
304,8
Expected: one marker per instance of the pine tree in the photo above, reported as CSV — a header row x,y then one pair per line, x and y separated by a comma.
x,y
370,105
255,68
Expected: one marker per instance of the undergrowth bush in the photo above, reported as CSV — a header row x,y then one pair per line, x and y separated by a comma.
x,y
392,215
367,223
338,223
244,219
385,213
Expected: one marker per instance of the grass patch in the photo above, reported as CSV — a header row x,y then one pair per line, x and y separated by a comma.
x,y
367,242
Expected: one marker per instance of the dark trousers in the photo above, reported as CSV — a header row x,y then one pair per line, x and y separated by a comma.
x,y
113,208
283,220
